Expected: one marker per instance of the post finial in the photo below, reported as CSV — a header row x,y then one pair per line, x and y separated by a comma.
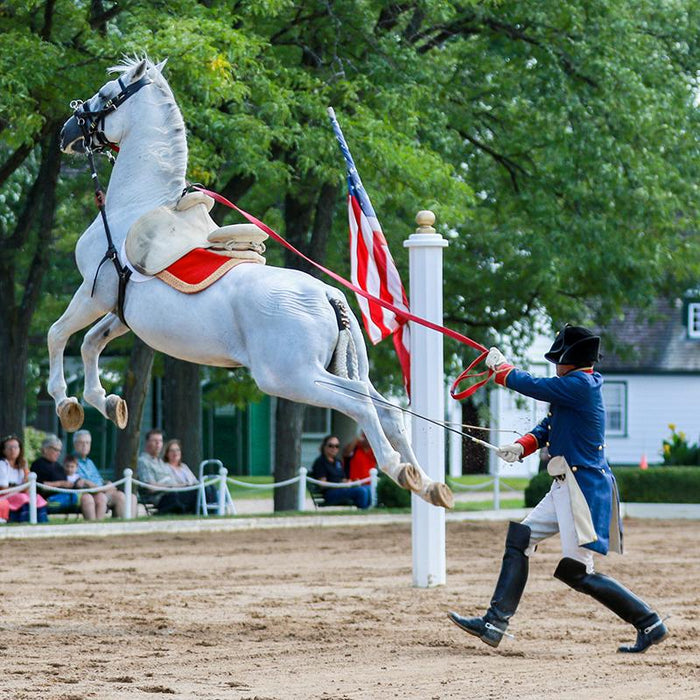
x,y
425,220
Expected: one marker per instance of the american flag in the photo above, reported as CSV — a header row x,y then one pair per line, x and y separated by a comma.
x,y
372,267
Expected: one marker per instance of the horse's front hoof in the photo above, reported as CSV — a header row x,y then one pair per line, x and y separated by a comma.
x,y
71,414
409,477
117,411
440,495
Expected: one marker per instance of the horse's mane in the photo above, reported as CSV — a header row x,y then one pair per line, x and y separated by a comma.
x,y
173,155
128,62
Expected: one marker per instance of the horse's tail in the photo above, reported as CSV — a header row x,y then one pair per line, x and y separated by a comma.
x,y
344,360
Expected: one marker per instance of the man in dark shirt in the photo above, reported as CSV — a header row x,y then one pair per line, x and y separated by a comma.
x,y
49,472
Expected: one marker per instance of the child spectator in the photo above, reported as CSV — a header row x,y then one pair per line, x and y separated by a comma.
x,y
70,467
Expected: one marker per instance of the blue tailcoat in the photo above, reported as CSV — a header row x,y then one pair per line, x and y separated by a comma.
x,y
575,428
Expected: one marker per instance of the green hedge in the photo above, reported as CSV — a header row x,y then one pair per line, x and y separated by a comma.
x,y
653,485
391,495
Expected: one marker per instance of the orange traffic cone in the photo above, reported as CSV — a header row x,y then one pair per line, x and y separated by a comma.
x,y
643,464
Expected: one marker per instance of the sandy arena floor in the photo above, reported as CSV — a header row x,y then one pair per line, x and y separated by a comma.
x,y
330,614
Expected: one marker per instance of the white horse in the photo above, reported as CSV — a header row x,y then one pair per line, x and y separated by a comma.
x,y
277,322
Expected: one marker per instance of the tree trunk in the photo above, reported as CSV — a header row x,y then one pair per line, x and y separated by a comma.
x,y
12,382
289,419
182,408
309,234
17,309
475,458
136,381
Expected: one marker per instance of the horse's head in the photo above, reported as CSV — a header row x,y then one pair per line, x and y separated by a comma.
x,y
98,123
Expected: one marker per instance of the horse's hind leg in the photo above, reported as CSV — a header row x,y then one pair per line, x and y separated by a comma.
x,y
322,388
81,312
112,406
394,428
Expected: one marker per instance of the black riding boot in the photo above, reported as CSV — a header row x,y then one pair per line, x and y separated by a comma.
x,y
491,627
624,603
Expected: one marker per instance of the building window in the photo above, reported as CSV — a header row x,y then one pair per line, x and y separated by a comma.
x,y
317,421
615,396
694,320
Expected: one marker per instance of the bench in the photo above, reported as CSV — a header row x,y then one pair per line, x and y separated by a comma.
x,y
319,500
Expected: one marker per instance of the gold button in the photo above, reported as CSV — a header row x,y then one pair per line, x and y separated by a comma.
x,y
600,447
547,444
549,414
573,469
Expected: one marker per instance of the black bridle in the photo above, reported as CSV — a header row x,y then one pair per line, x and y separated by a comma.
x,y
91,123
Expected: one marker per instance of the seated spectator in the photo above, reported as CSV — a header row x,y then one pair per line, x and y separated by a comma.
x,y
328,467
88,471
13,472
359,458
70,467
172,456
153,470
49,471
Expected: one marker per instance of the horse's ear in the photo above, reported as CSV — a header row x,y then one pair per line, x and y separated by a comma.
x,y
139,71
161,65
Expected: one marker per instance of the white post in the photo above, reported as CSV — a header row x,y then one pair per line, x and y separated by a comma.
x,y
497,489
128,487
223,487
202,508
454,414
32,498
373,479
301,493
427,397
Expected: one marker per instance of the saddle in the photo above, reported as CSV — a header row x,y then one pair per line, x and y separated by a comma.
x,y
167,233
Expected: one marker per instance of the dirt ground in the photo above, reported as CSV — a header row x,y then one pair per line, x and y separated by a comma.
x,y
330,614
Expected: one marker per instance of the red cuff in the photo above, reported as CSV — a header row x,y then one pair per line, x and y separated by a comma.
x,y
502,371
529,442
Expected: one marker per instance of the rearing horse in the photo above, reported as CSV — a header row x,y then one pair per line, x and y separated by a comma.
x,y
279,323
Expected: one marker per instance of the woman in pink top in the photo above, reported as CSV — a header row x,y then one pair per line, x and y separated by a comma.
x,y
13,472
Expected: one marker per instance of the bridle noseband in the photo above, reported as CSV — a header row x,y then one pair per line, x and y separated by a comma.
x,y
91,123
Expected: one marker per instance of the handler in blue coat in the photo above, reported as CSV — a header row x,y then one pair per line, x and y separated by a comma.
x,y
582,504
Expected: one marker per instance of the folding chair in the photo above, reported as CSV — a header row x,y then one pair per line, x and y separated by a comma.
x,y
211,467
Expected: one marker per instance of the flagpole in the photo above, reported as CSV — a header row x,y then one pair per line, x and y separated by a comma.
x,y
427,398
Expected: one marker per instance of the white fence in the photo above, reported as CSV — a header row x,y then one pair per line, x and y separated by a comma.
x,y
221,481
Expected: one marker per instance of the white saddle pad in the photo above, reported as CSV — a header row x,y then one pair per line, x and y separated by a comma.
x,y
163,235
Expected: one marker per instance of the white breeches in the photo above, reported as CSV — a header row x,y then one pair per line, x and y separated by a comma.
x,y
551,515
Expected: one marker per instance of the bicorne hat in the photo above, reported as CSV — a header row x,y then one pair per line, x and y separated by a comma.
x,y
574,345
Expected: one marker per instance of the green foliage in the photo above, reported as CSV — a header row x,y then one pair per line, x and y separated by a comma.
x,y
32,443
659,484
391,495
555,142
537,489
653,485
677,451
